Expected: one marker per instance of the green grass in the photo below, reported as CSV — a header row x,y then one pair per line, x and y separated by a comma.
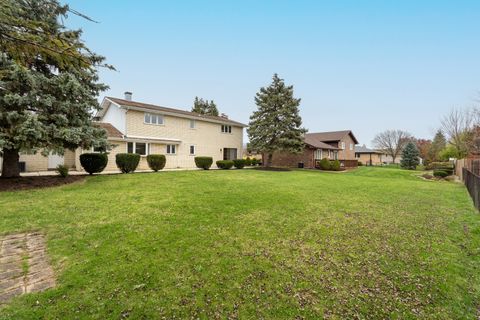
x,y
371,243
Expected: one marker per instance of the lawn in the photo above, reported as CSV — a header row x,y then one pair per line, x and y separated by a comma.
x,y
372,243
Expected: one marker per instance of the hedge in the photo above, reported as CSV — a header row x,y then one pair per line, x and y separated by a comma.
x,y
127,162
335,165
93,162
440,173
325,164
239,163
248,161
203,162
156,161
254,161
224,164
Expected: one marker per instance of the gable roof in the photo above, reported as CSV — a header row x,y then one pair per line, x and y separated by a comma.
x,y
364,149
331,136
186,114
112,132
314,142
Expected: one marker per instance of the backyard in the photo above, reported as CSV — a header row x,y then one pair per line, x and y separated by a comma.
x,y
371,243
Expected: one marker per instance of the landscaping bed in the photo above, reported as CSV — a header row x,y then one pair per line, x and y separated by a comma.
x,y
26,183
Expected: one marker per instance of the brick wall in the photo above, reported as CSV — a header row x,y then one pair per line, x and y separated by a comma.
x,y
287,159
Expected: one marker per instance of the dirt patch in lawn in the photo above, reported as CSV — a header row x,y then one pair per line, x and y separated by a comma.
x,y
25,183
272,169
24,265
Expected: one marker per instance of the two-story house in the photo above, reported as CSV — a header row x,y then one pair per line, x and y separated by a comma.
x,y
333,145
135,127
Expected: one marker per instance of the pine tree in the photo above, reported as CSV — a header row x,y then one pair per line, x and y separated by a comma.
x,y
212,109
47,96
410,158
276,125
439,143
204,107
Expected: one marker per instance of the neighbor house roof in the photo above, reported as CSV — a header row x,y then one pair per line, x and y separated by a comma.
x,y
331,135
112,132
316,143
364,149
187,114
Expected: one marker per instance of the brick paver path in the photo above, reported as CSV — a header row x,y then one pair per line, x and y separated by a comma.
x,y
24,265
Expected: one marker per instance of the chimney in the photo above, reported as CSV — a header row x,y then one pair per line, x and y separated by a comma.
x,y
223,115
128,95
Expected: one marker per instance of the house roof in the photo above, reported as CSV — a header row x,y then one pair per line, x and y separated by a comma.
x,y
316,143
192,115
112,132
364,149
331,135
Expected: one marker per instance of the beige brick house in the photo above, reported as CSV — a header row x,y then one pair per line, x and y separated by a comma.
x,y
333,145
142,128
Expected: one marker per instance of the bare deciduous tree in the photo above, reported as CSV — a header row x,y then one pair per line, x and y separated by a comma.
x,y
392,142
462,127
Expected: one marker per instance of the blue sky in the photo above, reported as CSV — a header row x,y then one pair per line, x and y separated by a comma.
x,y
367,66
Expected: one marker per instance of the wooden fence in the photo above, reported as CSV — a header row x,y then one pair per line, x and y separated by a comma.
x,y
472,182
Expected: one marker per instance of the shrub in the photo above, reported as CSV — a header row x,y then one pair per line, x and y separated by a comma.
x,y
224,164
239,163
62,170
203,162
360,163
335,165
93,162
127,162
439,165
325,164
440,173
248,161
156,161
254,161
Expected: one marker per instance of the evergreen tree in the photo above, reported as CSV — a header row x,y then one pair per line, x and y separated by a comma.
x,y
48,95
276,125
204,107
410,158
439,143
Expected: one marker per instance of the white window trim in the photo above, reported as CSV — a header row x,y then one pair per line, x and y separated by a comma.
x,y
342,145
351,146
169,153
147,148
226,131
155,114
194,149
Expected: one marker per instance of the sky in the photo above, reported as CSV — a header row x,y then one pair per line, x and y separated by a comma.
x,y
366,66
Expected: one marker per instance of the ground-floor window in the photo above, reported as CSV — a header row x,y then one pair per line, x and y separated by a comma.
x,y
229,153
171,149
318,154
192,150
140,148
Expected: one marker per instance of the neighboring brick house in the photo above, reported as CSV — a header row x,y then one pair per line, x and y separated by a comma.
x,y
369,157
333,145
142,128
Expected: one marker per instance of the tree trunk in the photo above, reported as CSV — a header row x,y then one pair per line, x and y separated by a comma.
x,y
268,163
10,167
394,157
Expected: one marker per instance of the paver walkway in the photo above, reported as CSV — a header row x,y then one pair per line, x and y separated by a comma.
x,y
24,265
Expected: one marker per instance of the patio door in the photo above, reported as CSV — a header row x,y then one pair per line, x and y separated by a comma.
x,y
54,160
229,153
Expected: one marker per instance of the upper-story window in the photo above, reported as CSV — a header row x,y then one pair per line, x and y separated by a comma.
x,y
151,118
342,145
351,146
193,124
226,129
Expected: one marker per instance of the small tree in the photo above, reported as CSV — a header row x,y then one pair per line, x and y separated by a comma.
x,y
424,147
410,158
392,142
439,143
204,107
276,125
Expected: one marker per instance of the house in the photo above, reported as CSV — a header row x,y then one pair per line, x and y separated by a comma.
x,y
369,157
333,145
136,127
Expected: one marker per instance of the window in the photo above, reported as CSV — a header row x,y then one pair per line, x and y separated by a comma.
x,y
342,146
192,124
151,118
192,150
171,149
140,148
351,146
229,153
318,154
226,129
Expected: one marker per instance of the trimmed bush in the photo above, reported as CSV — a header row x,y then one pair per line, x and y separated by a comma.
x,y
62,170
203,162
239,163
254,162
325,164
224,164
248,161
156,161
127,162
335,165
93,162
440,173
360,163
